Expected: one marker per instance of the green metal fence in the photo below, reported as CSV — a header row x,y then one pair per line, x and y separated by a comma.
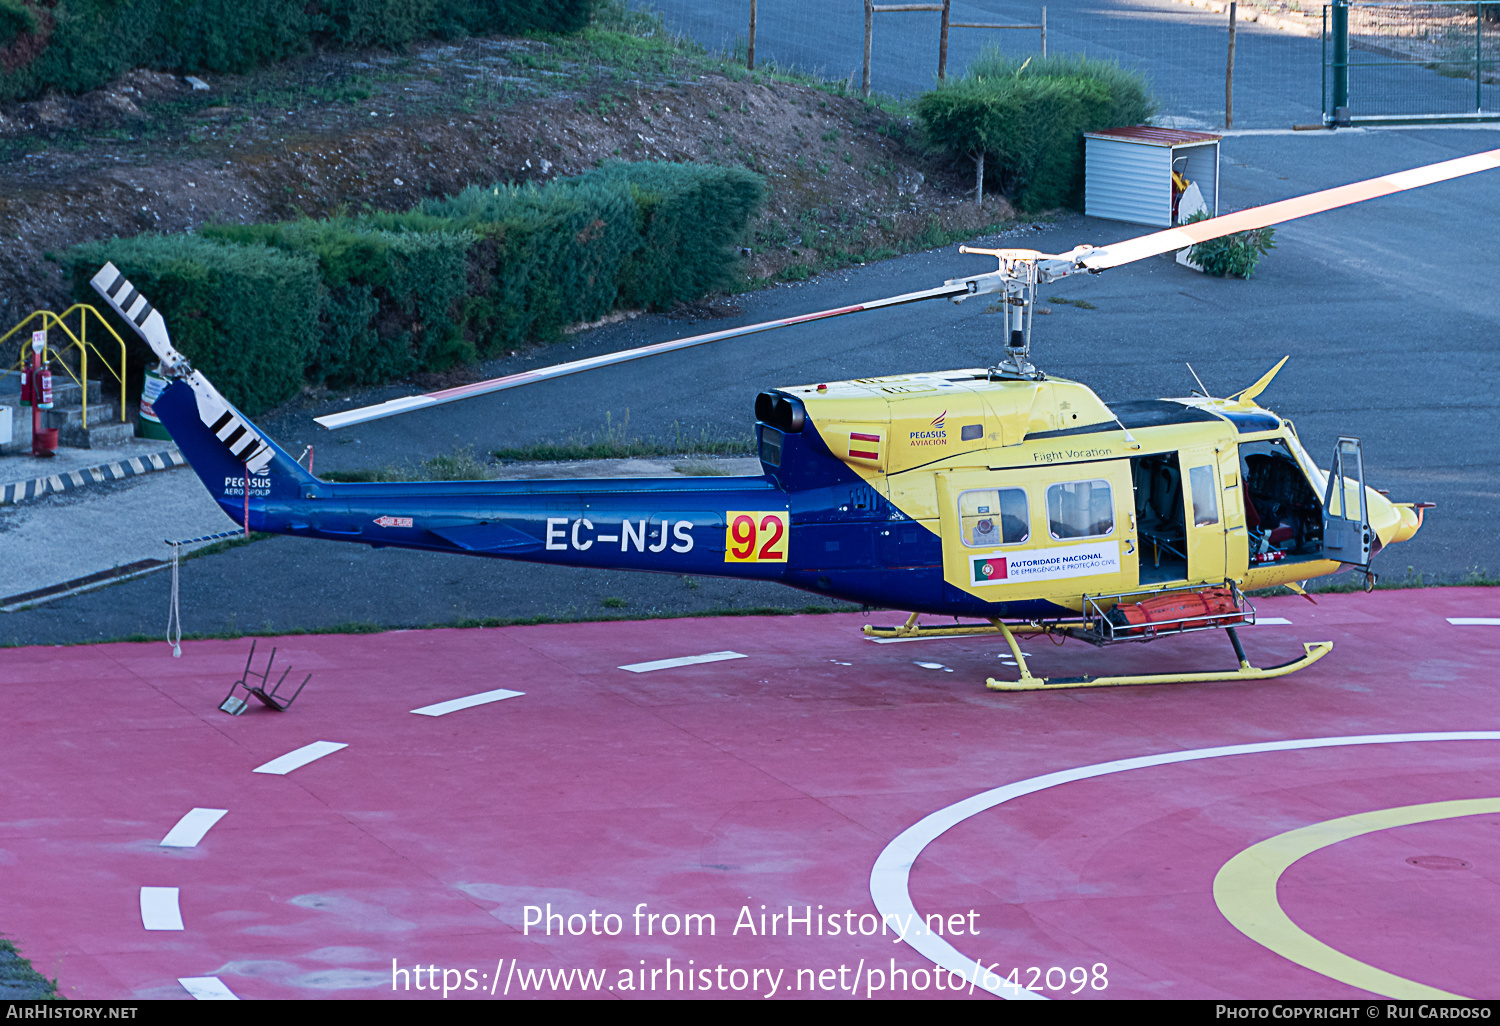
x,y
1386,63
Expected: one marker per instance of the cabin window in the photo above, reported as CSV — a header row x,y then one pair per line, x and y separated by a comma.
x,y
994,516
1080,509
1204,484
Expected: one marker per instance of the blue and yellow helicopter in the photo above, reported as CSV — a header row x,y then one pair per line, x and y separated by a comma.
x,y
998,493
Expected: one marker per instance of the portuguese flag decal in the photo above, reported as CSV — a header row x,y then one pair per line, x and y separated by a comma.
x,y
987,569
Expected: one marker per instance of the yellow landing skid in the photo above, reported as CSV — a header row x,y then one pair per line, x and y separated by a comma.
x,y
911,629
1312,652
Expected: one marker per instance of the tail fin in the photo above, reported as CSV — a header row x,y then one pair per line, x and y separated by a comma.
x,y
1247,395
238,464
251,448
223,473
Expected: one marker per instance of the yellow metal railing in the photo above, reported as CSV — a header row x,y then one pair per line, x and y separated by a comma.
x,y
77,340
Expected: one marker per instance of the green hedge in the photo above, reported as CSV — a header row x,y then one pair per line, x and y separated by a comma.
x,y
1028,119
692,217
72,46
247,316
385,295
392,302
547,257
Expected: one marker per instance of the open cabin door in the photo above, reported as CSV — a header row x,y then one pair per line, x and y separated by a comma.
x,y
1053,533
1346,516
1207,513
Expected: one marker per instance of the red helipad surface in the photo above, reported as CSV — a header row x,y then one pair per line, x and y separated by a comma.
x,y
775,780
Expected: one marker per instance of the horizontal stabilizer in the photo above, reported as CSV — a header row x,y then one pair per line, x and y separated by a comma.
x,y
487,538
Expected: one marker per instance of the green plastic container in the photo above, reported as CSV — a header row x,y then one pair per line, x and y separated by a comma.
x,y
149,425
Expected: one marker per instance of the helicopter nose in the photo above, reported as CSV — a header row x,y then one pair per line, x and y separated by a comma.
x,y
1410,522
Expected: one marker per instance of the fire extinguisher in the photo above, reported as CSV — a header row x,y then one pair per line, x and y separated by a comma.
x,y
44,388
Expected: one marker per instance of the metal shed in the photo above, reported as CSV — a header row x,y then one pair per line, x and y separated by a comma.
x,y
1128,172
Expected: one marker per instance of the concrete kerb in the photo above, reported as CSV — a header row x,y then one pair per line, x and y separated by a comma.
x,y
62,480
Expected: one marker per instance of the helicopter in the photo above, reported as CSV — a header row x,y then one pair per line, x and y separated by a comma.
x,y
1000,494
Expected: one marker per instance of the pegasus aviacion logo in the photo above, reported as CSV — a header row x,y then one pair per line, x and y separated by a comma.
x,y
937,436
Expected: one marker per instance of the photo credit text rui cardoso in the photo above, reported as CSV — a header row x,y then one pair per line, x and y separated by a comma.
x,y
693,975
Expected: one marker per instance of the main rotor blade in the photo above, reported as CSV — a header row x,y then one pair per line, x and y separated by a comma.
x,y
1285,210
405,404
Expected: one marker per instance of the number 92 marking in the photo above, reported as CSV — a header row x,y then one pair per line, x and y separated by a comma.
x,y
755,537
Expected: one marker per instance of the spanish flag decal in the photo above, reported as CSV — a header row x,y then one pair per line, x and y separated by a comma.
x,y
869,450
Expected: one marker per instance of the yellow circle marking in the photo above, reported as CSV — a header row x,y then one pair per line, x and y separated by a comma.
x,y
1245,891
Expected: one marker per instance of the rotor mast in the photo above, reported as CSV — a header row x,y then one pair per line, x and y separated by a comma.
x,y
1016,280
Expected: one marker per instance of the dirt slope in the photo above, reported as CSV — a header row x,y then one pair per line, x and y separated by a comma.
x,y
329,131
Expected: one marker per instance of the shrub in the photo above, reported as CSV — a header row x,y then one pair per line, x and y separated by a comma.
x,y
354,24
545,257
1028,117
229,36
691,217
378,297
392,300
247,316
1232,255
75,45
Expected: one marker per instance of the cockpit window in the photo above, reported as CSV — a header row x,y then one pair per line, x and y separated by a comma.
x,y
994,516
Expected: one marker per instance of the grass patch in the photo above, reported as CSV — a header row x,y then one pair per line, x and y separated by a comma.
x,y
1082,304
225,545
19,981
459,465
702,468
614,442
838,250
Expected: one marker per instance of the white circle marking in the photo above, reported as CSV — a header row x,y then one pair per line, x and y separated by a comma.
x,y
890,877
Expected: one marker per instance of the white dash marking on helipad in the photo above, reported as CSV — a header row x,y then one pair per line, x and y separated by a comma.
x,y
667,664
1474,621
159,909
455,704
1272,621
191,828
207,988
284,764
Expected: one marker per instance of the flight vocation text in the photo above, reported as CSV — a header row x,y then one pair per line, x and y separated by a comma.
x,y
1068,455
581,535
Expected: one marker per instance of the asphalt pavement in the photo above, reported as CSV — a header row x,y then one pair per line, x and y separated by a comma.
x,y
1182,51
1387,309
